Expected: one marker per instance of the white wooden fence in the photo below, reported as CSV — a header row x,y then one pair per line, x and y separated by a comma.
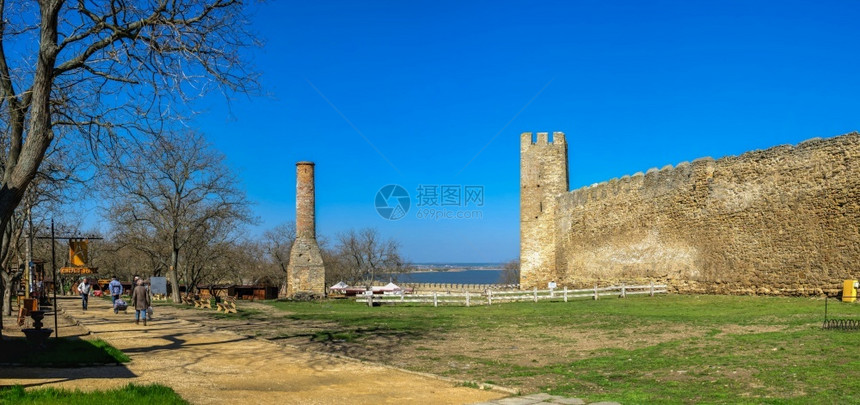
x,y
489,297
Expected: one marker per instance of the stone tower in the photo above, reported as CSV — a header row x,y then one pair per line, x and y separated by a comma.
x,y
306,271
543,178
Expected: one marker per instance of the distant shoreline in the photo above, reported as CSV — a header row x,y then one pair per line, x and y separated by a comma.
x,y
451,270
455,268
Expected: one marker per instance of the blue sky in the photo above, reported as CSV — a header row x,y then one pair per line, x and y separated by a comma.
x,y
437,93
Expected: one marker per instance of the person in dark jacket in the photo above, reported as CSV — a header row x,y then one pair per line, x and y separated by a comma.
x,y
140,299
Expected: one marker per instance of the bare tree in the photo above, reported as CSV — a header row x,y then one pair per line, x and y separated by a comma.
x,y
11,235
55,181
364,255
204,263
213,255
175,192
510,272
254,265
278,242
104,70
118,258
136,248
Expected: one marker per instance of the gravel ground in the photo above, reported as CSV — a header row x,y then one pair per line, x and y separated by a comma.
x,y
211,364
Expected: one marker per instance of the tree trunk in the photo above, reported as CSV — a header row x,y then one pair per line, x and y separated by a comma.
x,y
7,294
190,281
283,290
173,276
24,158
2,308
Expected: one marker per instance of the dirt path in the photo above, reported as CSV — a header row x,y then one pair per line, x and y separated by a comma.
x,y
206,365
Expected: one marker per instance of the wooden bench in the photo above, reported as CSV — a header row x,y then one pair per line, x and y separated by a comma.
x,y
228,306
203,304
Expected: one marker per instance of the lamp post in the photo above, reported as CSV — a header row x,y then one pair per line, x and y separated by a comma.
x,y
54,272
53,239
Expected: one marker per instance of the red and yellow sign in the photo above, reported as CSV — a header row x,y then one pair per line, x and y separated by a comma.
x,y
78,253
78,258
79,270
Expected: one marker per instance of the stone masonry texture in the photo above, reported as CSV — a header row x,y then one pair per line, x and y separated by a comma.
x,y
543,178
306,270
780,221
305,200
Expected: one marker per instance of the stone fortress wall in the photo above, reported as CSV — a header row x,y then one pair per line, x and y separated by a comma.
x,y
783,221
543,177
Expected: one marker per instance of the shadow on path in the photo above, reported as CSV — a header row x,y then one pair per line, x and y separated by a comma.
x,y
177,343
50,376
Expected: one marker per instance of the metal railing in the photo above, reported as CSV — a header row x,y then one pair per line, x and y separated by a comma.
x,y
846,324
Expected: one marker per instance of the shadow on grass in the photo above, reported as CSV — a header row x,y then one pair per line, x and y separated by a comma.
x,y
64,359
13,376
364,343
62,352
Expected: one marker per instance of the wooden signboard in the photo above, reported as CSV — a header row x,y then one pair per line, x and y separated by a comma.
x,y
79,270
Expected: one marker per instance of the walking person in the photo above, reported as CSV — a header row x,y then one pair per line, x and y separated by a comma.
x,y
116,289
85,289
140,298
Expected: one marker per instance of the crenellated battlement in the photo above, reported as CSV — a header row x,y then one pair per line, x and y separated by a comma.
x,y
528,139
670,177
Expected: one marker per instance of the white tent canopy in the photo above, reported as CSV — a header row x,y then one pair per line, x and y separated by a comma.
x,y
391,287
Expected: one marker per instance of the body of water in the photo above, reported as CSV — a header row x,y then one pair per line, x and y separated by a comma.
x,y
454,277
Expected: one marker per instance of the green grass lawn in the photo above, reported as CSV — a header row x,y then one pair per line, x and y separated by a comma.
x,y
664,349
130,394
63,352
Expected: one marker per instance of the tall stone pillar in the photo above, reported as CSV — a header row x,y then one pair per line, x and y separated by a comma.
x,y
306,270
543,179
305,200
